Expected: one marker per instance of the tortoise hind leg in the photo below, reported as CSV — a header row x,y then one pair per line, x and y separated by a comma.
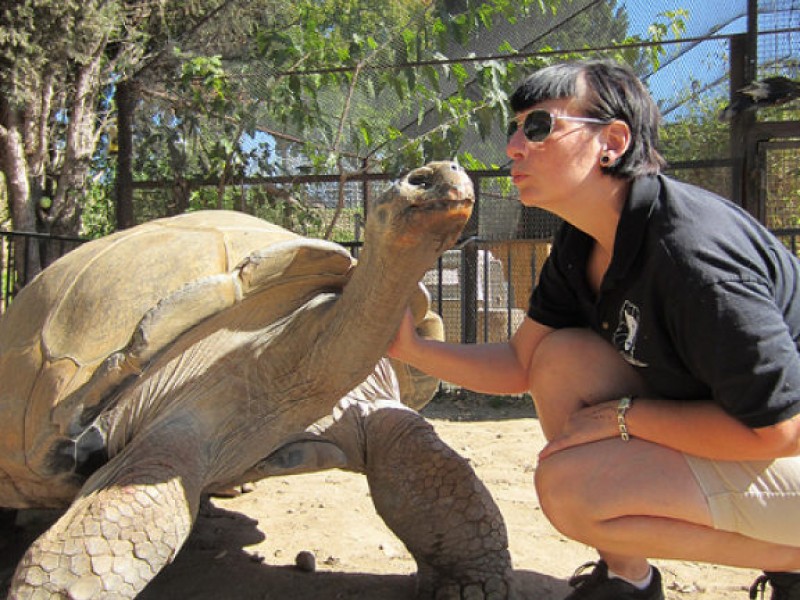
x,y
434,502
129,521
424,491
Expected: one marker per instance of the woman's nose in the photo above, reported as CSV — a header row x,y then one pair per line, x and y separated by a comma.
x,y
515,145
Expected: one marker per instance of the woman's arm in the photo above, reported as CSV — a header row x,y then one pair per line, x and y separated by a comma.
x,y
705,429
498,368
699,428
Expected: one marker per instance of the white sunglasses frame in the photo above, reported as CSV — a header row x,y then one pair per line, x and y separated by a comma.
x,y
553,118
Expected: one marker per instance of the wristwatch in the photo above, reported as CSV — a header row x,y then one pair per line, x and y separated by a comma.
x,y
622,407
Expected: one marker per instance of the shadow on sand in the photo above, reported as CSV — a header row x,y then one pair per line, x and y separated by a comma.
x,y
462,405
215,565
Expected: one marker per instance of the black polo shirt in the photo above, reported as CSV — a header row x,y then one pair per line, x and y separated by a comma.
x,y
699,297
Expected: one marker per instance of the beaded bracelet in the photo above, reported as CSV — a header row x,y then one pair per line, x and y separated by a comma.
x,y
624,404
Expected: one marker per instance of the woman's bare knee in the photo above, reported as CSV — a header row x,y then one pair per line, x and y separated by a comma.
x,y
573,368
563,506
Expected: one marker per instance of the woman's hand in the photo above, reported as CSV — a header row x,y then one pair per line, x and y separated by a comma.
x,y
405,338
587,425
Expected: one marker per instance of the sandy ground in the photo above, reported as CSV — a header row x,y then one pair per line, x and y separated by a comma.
x,y
245,547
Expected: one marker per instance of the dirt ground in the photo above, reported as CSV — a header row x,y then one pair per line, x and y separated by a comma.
x,y
245,547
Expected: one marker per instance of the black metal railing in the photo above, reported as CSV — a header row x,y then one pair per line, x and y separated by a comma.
x,y
790,237
480,288
22,255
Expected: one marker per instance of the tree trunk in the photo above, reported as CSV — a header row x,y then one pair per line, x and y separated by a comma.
x,y
64,217
23,215
124,184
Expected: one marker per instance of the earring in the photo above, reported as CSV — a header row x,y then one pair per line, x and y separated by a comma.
x,y
604,160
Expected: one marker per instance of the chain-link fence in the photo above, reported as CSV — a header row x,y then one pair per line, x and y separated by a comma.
x,y
482,287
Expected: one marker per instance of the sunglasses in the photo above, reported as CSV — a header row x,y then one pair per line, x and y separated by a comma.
x,y
538,124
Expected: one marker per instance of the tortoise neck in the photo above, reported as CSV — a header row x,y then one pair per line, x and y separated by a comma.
x,y
373,303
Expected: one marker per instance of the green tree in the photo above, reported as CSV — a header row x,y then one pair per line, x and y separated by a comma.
x,y
321,77
217,85
59,64
350,86
51,61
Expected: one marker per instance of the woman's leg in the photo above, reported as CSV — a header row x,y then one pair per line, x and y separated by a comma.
x,y
629,500
573,368
636,499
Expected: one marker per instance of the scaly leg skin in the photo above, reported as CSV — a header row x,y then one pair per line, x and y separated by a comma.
x,y
432,500
113,539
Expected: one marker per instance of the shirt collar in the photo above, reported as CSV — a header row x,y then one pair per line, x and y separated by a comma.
x,y
632,226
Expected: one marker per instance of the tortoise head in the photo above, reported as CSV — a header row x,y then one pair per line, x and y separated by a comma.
x,y
424,210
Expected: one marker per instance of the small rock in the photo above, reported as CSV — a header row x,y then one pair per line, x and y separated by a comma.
x,y
306,561
683,588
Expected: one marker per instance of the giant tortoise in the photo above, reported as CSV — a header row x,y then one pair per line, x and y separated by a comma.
x,y
199,352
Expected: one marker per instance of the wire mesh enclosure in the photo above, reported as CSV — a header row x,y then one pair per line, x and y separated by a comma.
x,y
321,135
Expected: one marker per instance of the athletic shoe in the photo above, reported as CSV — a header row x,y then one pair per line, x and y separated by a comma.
x,y
597,585
785,586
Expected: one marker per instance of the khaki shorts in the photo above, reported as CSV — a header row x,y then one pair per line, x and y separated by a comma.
x,y
758,499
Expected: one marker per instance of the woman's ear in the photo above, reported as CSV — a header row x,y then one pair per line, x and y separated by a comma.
x,y
617,140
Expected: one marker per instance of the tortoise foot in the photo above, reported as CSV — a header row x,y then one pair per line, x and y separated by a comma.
x,y
491,588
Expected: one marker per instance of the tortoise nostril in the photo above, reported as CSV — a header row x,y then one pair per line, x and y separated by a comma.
x,y
419,180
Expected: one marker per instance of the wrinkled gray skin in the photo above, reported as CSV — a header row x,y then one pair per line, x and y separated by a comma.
x,y
424,491
226,379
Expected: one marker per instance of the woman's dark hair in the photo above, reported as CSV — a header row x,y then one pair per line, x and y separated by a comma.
x,y
607,90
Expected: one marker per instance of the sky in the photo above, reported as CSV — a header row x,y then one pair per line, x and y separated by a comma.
x,y
705,64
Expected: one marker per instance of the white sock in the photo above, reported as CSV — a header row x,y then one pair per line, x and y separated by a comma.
x,y
639,584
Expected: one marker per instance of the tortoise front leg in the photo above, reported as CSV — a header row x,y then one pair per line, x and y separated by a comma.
x,y
129,521
434,502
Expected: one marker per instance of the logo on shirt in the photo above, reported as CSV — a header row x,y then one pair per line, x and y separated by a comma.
x,y
626,332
